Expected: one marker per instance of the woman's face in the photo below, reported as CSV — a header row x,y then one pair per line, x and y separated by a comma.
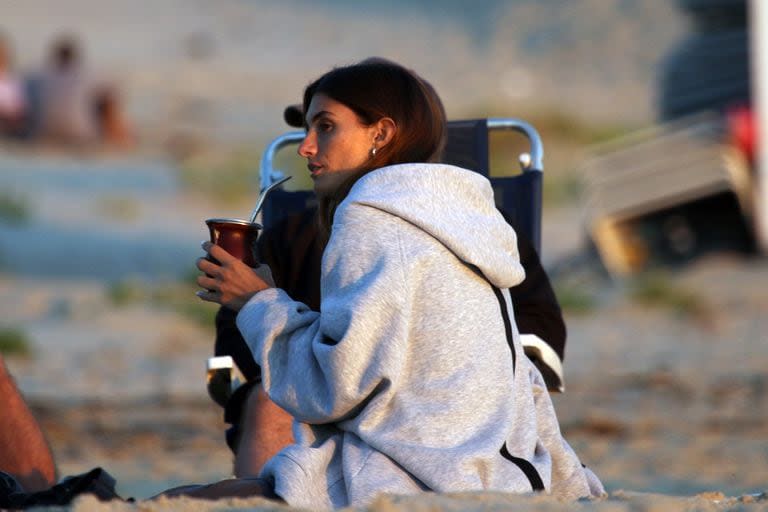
x,y
337,144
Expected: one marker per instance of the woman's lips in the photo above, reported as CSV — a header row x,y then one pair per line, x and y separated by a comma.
x,y
314,169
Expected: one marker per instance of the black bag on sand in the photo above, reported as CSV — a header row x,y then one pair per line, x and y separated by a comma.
x,y
96,481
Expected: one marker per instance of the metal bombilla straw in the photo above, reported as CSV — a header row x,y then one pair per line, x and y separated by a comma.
x,y
263,196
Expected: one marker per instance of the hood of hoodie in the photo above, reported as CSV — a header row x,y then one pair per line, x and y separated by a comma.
x,y
453,205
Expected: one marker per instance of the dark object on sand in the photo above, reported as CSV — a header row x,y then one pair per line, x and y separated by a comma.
x,y
96,481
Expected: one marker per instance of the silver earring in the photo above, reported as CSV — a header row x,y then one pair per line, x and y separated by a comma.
x,y
373,151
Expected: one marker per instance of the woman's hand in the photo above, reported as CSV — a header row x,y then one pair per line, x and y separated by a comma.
x,y
230,283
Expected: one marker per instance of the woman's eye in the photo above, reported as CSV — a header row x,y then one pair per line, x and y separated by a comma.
x,y
324,127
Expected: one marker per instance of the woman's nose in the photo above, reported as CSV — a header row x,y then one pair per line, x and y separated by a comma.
x,y
307,147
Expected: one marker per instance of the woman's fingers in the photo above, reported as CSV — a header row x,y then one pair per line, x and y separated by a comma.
x,y
208,295
207,266
207,282
227,280
218,253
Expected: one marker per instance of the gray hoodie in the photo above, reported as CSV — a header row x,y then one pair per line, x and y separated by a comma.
x,y
404,381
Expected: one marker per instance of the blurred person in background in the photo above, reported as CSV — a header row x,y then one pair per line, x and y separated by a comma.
x,y
12,97
113,126
67,109
76,109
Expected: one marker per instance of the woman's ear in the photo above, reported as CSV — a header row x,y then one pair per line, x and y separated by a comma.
x,y
385,132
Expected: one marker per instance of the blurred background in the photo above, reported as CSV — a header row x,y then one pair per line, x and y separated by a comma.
x,y
126,124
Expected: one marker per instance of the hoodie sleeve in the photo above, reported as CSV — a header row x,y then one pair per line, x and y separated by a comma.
x,y
324,367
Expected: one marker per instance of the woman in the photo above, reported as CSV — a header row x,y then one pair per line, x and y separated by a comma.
x,y
404,381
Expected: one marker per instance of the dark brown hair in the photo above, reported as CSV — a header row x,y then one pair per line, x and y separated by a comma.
x,y
374,89
65,52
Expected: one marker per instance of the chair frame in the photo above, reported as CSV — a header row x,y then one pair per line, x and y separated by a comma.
x,y
519,196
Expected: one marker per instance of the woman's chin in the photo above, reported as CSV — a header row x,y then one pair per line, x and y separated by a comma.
x,y
320,191
323,188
